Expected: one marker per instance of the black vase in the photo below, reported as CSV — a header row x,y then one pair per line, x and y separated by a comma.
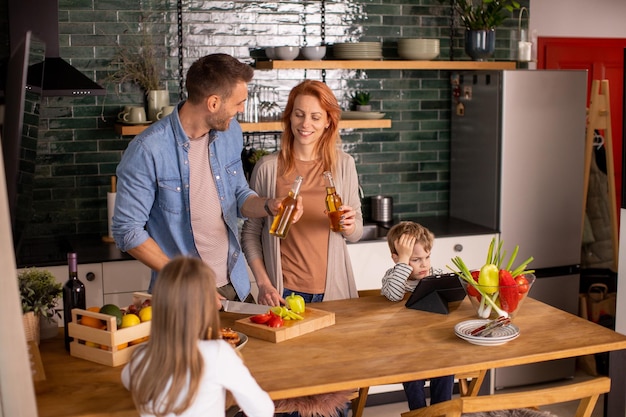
x,y
480,44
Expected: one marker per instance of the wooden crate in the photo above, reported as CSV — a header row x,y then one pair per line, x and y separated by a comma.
x,y
314,319
101,345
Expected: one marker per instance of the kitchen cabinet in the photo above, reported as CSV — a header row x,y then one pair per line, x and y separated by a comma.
x,y
370,260
472,249
121,279
106,282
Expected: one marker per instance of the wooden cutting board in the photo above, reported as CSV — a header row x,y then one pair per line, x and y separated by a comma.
x,y
313,320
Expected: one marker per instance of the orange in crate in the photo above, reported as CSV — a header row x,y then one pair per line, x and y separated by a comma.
x,y
109,346
92,321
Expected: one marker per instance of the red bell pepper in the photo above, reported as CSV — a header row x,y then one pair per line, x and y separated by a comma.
x,y
522,283
275,321
261,318
471,290
508,291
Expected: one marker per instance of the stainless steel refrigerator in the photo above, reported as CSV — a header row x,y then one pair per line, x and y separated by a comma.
x,y
517,165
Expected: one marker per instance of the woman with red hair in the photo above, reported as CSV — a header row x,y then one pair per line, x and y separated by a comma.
x,y
312,260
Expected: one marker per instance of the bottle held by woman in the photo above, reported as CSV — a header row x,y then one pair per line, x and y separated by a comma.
x,y
73,295
284,218
333,202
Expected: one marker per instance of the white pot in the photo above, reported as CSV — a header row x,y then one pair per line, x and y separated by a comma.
x,y
48,327
157,99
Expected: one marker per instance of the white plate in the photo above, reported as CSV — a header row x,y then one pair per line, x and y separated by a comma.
x,y
358,55
361,115
499,336
357,45
243,339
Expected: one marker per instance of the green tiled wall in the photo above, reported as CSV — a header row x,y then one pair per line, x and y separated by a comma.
x,y
78,150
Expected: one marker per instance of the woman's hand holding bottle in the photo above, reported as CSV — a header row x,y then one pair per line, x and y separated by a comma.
x,y
347,220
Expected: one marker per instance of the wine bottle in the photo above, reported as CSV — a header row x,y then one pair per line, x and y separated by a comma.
x,y
73,295
333,202
284,218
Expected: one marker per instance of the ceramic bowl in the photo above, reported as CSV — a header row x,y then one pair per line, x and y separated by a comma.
x,y
313,53
484,309
418,49
417,56
419,42
270,52
287,53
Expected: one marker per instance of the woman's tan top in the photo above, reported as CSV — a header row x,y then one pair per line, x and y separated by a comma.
x,y
258,243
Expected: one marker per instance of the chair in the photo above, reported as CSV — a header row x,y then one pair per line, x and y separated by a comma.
x,y
587,392
359,400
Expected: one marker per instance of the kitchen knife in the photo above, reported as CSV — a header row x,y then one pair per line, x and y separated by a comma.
x,y
244,308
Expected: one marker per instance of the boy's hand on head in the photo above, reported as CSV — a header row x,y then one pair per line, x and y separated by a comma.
x,y
404,246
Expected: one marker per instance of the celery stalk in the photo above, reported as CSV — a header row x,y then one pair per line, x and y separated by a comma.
x,y
465,274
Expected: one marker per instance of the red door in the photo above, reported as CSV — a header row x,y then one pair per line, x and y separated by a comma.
x,y
604,60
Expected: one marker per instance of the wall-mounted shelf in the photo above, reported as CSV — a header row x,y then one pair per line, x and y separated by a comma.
x,y
132,130
129,130
388,64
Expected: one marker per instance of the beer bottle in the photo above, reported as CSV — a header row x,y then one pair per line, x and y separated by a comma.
x,y
282,221
333,202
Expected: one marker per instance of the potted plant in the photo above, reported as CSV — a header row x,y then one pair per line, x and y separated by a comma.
x,y
360,101
480,18
143,64
39,293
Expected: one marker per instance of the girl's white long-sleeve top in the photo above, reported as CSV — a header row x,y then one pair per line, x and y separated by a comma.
x,y
223,370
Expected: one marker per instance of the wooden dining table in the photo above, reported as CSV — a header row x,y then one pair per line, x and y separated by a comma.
x,y
373,342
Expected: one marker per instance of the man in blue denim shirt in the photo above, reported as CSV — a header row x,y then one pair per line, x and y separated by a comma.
x,y
181,184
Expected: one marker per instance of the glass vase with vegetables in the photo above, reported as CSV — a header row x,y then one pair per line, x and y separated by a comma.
x,y
496,290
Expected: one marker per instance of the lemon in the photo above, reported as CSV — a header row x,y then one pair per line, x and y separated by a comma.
x,y
145,314
129,320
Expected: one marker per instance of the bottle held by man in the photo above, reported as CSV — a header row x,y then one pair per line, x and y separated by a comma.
x,y
284,218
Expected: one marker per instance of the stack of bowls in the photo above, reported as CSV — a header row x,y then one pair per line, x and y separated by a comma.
x,y
419,49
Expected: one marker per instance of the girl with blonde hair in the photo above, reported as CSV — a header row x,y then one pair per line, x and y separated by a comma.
x,y
185,368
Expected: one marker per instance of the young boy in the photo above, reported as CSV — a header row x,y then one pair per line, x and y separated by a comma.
x,y
410,244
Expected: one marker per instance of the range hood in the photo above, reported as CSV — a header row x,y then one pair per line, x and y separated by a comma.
x,y
59,77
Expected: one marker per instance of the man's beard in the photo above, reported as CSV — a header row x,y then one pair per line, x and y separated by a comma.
x,y
221,122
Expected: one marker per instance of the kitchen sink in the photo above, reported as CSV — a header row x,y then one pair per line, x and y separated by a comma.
x,y
373,231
